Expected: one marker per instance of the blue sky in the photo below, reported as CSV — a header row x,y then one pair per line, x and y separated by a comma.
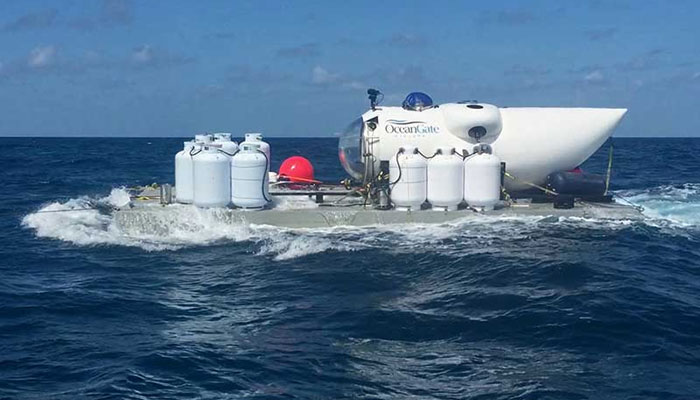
x,y
301,68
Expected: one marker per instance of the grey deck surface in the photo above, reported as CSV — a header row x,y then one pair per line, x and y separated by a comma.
x,y
147,212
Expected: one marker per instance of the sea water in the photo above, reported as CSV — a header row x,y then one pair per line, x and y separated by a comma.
x,y
499,307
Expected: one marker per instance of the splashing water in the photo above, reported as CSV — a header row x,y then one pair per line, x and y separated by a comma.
x,y
679,204
78,221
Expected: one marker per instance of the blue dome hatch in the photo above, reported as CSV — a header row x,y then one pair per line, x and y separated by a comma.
x,y
417,101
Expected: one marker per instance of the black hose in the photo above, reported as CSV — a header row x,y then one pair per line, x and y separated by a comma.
x,y
192,149
424,156
464,158
229,154
267,163
399,165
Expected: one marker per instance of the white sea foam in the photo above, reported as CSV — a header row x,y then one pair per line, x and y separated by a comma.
x,y
288,245
84,221
677,204
294,202
118,198
80,221
74,221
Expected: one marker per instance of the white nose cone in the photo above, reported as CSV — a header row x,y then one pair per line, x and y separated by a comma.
x,y
538,141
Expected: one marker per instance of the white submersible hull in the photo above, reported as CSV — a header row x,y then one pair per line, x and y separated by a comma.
x,y
536,142
533,141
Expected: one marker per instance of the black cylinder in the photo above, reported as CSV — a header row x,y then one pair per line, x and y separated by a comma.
x,y
576,183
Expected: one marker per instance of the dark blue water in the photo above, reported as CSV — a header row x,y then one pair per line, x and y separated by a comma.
x,y
521,308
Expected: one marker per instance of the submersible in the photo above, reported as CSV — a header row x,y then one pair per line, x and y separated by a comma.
x,y
418,162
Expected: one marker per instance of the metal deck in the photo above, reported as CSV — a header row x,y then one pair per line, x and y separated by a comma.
x,y
145,210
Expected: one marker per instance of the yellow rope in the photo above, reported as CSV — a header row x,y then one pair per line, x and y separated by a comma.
x,y
544,189
607,177
506,196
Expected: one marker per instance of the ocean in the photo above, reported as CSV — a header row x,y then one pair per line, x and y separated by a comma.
x,y
497,308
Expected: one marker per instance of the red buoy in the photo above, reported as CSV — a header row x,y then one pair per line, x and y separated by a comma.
x,y
297,169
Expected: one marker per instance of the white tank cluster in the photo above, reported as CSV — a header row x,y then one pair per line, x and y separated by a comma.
x,y
214,171
445,179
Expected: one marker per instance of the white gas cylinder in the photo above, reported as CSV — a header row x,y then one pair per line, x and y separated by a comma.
x,y
227,145
184,173
445,179
222,137
482,179
408,175
257,138
212,178
249,177
204,138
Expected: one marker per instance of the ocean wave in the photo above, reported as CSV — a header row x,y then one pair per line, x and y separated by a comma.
x,y
675,204
88,222
84,221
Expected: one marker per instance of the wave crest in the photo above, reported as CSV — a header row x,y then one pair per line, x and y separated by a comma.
x,y
88,222
677,204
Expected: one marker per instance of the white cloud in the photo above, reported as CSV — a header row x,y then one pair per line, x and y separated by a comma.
x,y
147,56
355,85
594,77
695,75
142,54
41,56
320,76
